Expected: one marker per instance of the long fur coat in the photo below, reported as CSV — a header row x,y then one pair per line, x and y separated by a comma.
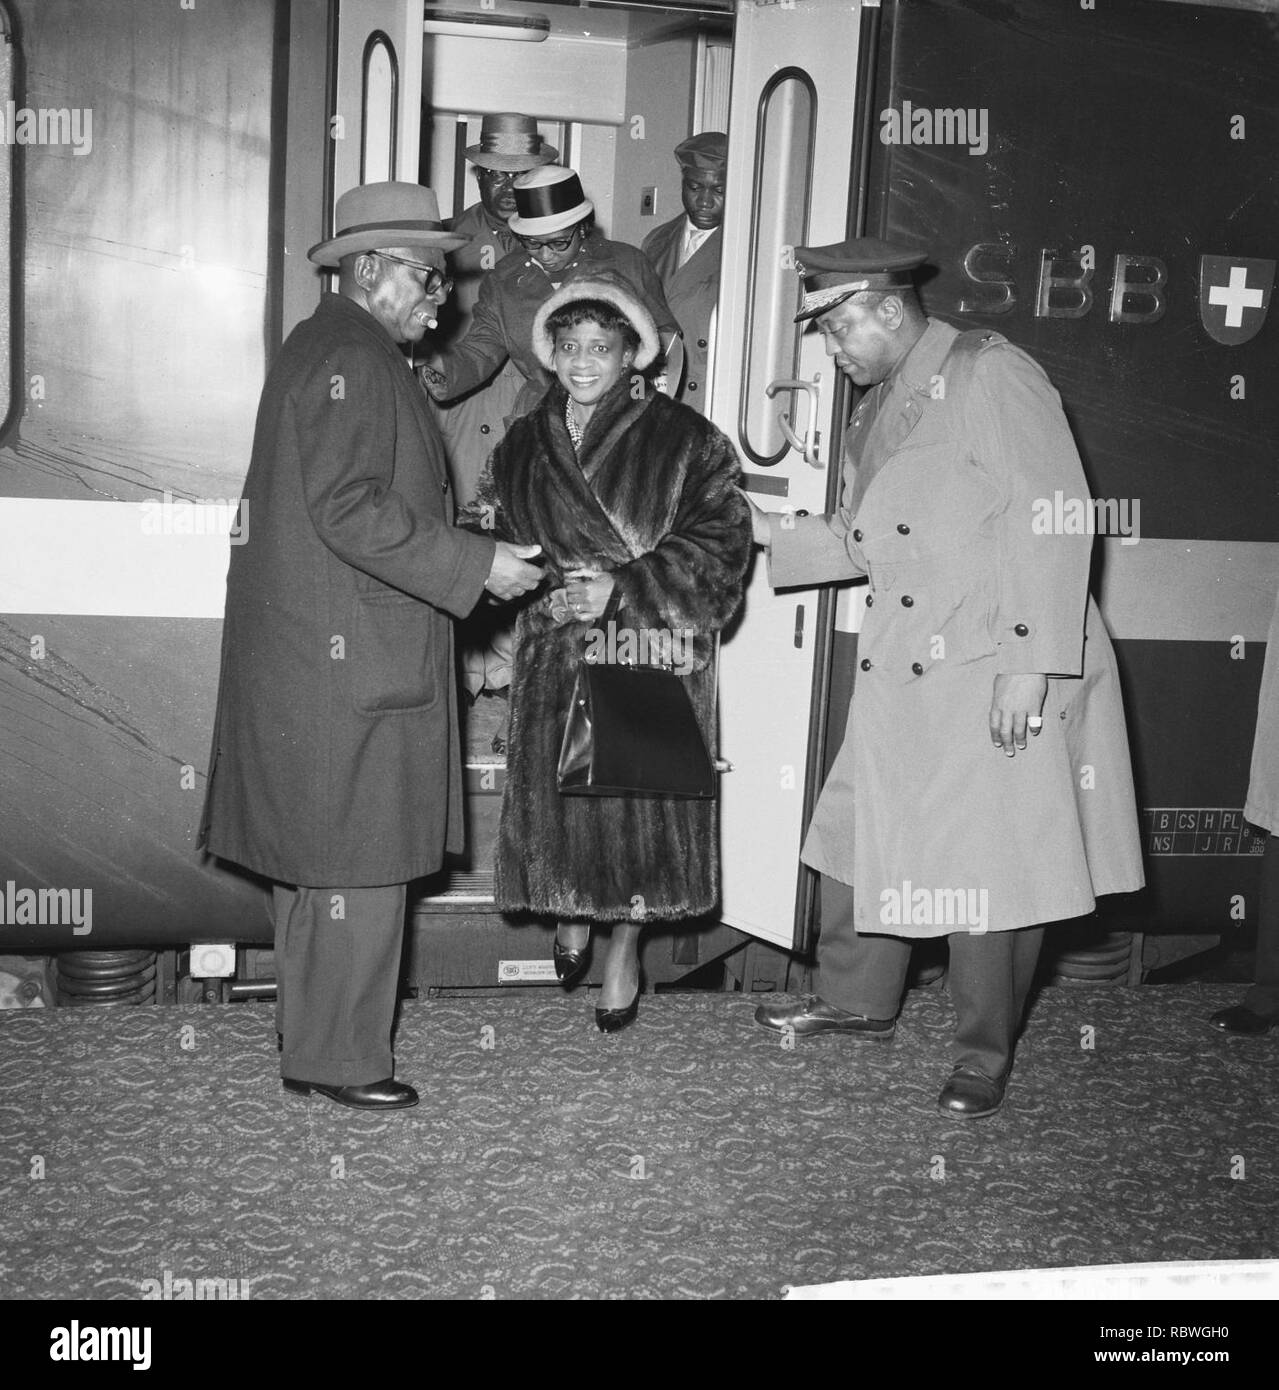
x,y
651,499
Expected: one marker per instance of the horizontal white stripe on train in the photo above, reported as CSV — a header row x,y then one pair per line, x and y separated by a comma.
x,y
169,560
114,559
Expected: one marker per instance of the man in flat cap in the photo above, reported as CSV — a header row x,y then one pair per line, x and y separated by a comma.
x,y
983,787
686,253
335,768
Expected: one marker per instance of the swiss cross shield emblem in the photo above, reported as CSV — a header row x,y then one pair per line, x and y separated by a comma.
x,y
1234,294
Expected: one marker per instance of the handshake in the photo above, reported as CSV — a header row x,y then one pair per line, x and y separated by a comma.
x,y
511,574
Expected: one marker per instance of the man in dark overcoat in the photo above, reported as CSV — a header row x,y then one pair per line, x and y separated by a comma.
x,y
685,252
335,769
983,787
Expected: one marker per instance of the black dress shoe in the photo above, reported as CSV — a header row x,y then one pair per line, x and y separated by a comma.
x,y
614,1020
570,964
814,1015
970,1094
374,1095
1241,1021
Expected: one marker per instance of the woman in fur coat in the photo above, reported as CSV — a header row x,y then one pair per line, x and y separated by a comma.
x,y
631,497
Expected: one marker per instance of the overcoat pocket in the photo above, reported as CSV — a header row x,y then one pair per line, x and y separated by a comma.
x,y
395,656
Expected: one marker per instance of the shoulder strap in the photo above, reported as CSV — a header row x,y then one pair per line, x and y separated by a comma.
x,y
960,363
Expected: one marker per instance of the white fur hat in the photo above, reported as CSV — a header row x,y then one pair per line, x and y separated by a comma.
x,y
611,288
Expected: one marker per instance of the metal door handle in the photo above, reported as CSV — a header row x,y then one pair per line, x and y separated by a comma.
x,y
808,445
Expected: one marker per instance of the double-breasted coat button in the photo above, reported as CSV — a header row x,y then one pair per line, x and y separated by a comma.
x,y
857,535
870,600
701,342
692,386
445,485
865,663
484,429
907,601
1021,630
903,528
917,668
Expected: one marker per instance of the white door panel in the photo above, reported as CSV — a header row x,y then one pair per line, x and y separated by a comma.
x,y
792,110
383,108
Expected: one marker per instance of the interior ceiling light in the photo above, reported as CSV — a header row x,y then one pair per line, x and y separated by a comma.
x,y
474,24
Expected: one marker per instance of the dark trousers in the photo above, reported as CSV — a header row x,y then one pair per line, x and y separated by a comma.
x,y
1263,997
989,978
337,970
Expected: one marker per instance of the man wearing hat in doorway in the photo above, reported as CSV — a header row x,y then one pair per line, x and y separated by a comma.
x,y
472,425
983,787
509,145
554,223
335,768
685,252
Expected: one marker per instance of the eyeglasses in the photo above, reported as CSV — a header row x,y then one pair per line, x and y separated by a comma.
x,y
497,175
435,281
559,245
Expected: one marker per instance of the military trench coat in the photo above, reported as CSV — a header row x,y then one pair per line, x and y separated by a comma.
x,y
1262,805
939,510
336,757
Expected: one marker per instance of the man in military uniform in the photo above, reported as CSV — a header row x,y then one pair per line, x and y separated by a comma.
x,y
1259,1011
685,252
983,787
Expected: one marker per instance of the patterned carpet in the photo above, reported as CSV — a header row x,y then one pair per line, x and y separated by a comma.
x,y
690,1156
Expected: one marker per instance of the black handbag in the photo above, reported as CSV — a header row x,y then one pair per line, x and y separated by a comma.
x,y
631,731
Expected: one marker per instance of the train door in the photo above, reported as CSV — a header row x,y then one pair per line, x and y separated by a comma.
x,y
777,395
375,129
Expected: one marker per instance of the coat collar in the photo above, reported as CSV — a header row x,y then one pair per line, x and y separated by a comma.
x,y
570,477
902,396
340,310
921,364
340,307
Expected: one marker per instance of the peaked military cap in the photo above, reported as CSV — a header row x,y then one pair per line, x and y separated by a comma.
x,y
834,273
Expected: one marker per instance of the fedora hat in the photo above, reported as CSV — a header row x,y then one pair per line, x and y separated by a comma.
x,y
548,200
613,289
377,215
510,142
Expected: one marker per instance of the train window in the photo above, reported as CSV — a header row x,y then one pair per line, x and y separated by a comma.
x,y
8,320
779,223
377,133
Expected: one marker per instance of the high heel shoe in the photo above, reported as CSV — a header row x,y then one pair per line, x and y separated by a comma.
x,y
570,965
614,1020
